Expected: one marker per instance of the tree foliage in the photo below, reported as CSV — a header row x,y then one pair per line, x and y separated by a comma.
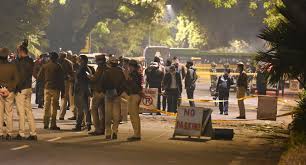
x,y
286,55
23,19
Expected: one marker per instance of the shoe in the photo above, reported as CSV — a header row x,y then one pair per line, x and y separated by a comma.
x,y
240,117
89,128
77,129
8,137
19,137
46,127
2,137
114,137
226,113
61,118
221,113
40,106
95,133
32,138
55,128
72,118
108,137
133,138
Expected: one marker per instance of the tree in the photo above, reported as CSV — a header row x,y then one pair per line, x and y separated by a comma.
x,y
23,19
286,58
73,22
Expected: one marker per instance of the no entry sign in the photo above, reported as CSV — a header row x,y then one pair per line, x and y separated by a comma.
x,y
149,101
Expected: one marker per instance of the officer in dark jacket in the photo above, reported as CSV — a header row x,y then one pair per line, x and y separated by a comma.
x,y
223,88
172,84
52,76
190,81
25,66
39,89
134,90
154,78
83,93
9,79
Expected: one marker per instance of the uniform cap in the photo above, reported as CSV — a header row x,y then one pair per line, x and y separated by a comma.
x,y
240,63
100,58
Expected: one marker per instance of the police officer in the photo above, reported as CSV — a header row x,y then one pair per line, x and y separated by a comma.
x,y
52,75
67,66
190,81
98,101
134,90
242,85
113,85
25,66
9,79
39,84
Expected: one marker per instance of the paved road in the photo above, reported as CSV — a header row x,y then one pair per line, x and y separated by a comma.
x,y
255,143
249,146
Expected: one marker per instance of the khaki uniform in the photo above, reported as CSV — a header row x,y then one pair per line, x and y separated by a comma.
x,y
69,95
67,67
134,89
53,78
241,90
98,101
9,78
23,97
6,107
112,79
133,108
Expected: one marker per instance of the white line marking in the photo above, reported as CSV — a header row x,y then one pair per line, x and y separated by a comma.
x,y
19,148
54,139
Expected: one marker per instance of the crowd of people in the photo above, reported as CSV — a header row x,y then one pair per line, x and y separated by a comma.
x,y
94,96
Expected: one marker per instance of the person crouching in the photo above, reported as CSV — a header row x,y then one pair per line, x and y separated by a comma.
x,y
134,90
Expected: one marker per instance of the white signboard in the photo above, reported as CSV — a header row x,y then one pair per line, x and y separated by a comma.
x,y
149,101
189,121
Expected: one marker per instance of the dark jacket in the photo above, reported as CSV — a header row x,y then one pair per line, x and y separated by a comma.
x,y
190,79
97,78
154,77
224,85
9,76
112,79
168,79
25,67
82,81
52,75
134,83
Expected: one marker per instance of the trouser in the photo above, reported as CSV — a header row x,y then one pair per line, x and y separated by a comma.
x,y
133,107
240,95
24,108
51,105
112,115
172,100
82,104
39,93
98,112
6,108
68,97
123,107
190,93
223,106
164,102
